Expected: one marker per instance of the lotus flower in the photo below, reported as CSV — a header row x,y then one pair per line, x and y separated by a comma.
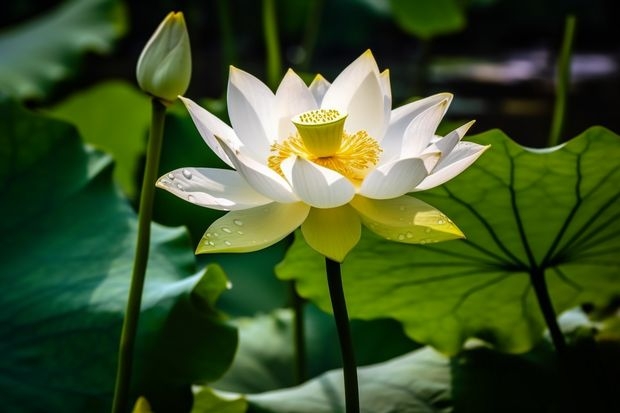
x,y
328,158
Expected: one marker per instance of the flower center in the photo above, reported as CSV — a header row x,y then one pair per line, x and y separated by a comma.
x,y
321,138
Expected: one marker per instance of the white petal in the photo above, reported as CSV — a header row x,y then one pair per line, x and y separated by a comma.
x,y
345,86
292,98
400,118
260,177
251,107
212,188
461,157
209,126
421,129
384,79
253,229
446,144
315,185
395,178
366,109
319,87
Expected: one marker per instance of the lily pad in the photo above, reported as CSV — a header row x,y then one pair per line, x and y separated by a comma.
x,y
66,251
427,19
39,53
526,213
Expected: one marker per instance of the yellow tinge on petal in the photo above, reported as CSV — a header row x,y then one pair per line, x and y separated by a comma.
x,y
321,139
406,219
333,232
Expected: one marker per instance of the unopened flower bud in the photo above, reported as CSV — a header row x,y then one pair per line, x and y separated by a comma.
x,y
165,64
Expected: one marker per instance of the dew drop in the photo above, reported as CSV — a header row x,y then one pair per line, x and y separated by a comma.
x,y
164,182
208,235
191,199
216,234
171,176
240,232
211,243
180,187
238,222
187,173
401,237
226,230
409,235
227,243
440,221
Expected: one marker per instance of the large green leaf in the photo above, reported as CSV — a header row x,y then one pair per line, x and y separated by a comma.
x,y
41,52
427,19
114,117
551,213
67,242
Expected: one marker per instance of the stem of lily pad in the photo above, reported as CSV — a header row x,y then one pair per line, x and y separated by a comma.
x,y
297,304
341,316
537,279
562,81
145,213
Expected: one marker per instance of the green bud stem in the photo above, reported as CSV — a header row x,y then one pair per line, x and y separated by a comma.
x,y
132,312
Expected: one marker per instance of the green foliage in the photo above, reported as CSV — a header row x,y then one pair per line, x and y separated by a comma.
x,y
40,53
427,19
114,117
206,400
525,213
65,263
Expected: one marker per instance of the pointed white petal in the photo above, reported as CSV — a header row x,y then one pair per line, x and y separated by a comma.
x,y
260,177
400,118
253,229
345,86
395,178
384,79
292,98
212,188
366,109
251,107
405,219
319,87
461,157
446,144
209,126
421,129
315,185
332,232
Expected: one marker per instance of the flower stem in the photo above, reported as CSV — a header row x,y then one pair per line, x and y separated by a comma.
x,y
132,312
298,335
270,30
311,33
537,279
339,306
562,82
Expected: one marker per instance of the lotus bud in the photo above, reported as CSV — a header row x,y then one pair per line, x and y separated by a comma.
x,y
165,64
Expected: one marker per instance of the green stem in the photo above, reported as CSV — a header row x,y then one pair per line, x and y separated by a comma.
x,y
299,336
227,40
339,306
272,46
132,312
563,82
311,34
537,279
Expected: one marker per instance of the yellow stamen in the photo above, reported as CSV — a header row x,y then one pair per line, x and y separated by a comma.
x,y
322,140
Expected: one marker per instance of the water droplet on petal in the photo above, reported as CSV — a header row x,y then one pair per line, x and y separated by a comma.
x,y
180,187
409,235
238,222
171,176
211,243
440,221
216,234
191,199
208,235
227,243
187,173
240,232
164,182
401,237
226,230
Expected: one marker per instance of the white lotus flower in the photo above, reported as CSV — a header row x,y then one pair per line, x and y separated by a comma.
x,y
328,158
